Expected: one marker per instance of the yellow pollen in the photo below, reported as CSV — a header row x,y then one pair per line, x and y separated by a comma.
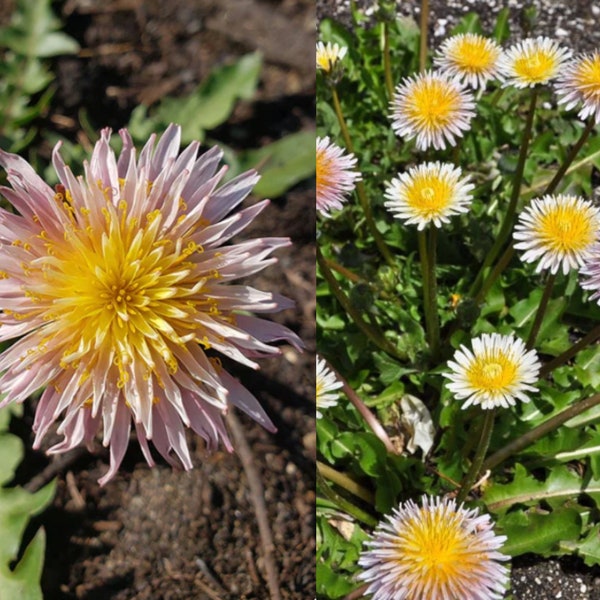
x,y
120,288
429,195
473,54
434,549
492,372
587,76
324,170
433,104
566,229
536,67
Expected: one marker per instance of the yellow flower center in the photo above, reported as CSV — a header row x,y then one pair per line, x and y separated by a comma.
x,y
435,550
328,56
566,228
536,67
324,170
433,104
473,54
492,372
122,293
587,76
429,195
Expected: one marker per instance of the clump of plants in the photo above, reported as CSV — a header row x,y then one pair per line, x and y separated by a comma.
x,y
458,385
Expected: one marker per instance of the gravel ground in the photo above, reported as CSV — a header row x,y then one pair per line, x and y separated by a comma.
x,y
576,24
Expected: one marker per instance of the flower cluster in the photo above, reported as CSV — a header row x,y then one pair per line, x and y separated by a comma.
x,y
440,549
117,287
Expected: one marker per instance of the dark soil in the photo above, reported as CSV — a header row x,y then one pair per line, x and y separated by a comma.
x,y
156,533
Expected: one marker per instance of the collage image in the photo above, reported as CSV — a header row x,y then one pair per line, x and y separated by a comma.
x,y
299,300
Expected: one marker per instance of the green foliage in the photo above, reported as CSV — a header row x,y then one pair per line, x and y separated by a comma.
x,y
544,494
207,107
25,92
17,506
282,164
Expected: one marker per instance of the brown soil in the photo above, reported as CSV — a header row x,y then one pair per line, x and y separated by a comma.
x,y
156,533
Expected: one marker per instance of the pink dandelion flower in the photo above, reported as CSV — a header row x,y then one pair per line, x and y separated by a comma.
x,y
335,176
533,62
470,57
558,232
591,273
496,373
118,284
432,107
436,551
580,84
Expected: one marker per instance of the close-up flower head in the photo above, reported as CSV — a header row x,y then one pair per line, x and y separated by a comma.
x,y
326,387
433,108
558,232
436,551
579,84
533,61
496,373
470,57
336,176
329,55
429,193
118,286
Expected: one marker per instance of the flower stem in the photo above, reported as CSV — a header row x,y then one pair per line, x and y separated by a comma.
x,y
422,239
541,311
540,431
387,63
367,415
475,469
570,157
340,117
507,224
496,271
586,340
346,482
424,31
342,503
373,335
360,186
433,328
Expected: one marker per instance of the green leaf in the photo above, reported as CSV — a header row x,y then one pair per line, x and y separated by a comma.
x,y
210,105
587,367
589,547
23,581
366,448
561,486
540,533
282,164
33,32
502,29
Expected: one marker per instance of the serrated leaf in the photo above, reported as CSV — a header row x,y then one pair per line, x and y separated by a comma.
x,y
24,581
561,486
589,547
540,533
16,507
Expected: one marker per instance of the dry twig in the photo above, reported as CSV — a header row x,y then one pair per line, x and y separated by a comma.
x,y
257,496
